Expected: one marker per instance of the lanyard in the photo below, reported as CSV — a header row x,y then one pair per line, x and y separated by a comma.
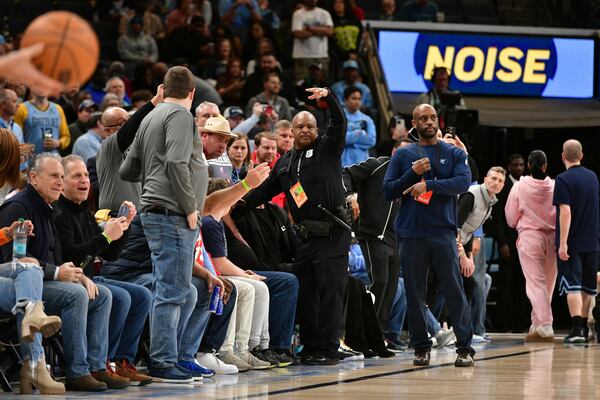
x,y
437,158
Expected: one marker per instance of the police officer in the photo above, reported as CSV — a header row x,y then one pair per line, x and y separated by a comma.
x,y
310,175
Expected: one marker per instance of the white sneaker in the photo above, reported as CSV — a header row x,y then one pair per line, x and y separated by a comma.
x,y
210,360
545,331
476,339
444,338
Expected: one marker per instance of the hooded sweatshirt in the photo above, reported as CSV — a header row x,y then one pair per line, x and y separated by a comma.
x,y
529,205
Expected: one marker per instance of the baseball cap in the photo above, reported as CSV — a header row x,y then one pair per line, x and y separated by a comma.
x,y
316,65
233,111
87,104
350,64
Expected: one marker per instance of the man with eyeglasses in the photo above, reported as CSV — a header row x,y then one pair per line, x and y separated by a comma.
x,y
428,176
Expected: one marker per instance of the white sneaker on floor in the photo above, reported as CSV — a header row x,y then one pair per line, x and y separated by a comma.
x,y
210,360
444,338
476,339
545,331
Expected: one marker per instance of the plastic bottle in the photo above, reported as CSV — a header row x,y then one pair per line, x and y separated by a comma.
x,y
20,241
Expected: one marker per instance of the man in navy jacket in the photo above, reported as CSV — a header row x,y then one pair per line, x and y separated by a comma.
x,y
428,176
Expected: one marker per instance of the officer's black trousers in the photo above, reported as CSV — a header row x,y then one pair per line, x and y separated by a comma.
x,y
322,270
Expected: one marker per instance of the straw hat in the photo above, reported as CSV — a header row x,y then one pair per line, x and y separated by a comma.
x,y
218,125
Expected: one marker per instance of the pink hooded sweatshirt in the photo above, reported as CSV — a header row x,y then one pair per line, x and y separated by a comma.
x,y
529,205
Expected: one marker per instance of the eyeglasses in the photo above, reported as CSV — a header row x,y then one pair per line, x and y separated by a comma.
x,y
114,126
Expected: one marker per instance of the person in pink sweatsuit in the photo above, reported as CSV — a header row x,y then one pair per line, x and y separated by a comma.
x,y
529,208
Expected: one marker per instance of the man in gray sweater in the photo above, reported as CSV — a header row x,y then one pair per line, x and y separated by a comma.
x,y
166,156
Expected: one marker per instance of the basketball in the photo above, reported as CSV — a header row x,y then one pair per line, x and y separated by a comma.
x,y
71,46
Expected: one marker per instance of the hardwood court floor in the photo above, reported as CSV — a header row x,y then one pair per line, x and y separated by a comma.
x,y
505,368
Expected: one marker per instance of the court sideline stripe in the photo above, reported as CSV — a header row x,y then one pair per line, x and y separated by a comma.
x,y
382,374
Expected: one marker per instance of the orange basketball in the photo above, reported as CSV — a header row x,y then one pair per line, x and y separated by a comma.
x,y
71,46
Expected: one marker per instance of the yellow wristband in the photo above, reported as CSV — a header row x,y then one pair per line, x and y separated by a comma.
x,y
108,240
245,185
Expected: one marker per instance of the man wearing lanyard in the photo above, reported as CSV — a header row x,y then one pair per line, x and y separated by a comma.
x,y
310,175
426,229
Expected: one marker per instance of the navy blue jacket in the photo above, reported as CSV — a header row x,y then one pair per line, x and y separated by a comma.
x,y
449,177
44,246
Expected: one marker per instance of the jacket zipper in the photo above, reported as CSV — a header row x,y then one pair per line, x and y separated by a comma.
x,y
380,237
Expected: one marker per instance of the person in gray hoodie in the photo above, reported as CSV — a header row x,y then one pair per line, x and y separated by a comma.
x,y
135,46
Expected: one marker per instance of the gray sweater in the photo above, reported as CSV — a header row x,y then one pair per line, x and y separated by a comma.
x,y
166,156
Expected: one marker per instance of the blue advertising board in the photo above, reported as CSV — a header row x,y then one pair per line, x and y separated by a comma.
x,y
533,66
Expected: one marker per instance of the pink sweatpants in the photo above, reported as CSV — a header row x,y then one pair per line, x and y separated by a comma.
x,y
538,261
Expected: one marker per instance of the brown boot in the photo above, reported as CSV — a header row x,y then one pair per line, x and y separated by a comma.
x,y
127,370
86,383
40,378
35,320
112,380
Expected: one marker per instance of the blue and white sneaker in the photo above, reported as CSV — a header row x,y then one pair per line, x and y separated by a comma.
x,y
195,369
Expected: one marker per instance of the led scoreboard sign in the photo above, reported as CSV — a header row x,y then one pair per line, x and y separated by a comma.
x,y
535,66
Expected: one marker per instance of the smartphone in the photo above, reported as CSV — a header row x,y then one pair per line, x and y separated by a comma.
x,y
123,211
451,130
269,110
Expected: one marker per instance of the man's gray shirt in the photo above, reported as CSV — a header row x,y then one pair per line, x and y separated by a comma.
x,y
166,156
113,189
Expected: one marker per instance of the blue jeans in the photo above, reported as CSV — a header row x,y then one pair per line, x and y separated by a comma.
x,y
84,324
197,322
18,287
172,245
130,308
398,313
441,254
283,290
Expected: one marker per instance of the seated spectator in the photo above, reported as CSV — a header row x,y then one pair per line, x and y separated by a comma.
x,y
418,10
238,151
218,64
313,79
82,237
110,100
21,289
257,32
265,145
213,233
190,41
139,98
388,10
270,97
135,45
235,116
116,85
360,134
8,109
255,82
181,15
67,292
98,82
88,144
284,135
238,14
269,17
118,69
44,124
351,77
153,25
311,28
79,127
68,100
347,30
263,46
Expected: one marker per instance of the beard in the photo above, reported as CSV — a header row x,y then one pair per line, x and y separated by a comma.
x,y
427,135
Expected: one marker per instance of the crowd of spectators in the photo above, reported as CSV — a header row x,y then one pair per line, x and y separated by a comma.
x,y
250,67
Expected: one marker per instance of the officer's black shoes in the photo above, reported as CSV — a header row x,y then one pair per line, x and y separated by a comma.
x,y
319,359
464,359
421,358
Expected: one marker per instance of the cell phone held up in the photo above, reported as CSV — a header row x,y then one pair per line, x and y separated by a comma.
x,y
123,211
451,130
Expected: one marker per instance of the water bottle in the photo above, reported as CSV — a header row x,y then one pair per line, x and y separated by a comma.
x,y
20,241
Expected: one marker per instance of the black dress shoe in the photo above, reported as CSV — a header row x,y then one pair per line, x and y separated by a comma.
x,y
320,359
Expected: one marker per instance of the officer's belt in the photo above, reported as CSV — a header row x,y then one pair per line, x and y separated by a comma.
x,y
313,228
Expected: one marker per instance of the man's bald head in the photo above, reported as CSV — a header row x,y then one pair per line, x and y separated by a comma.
x,y
572,151
112,119
418,110
304,129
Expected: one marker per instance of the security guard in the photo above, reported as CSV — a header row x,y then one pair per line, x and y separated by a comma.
x,y
310,175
